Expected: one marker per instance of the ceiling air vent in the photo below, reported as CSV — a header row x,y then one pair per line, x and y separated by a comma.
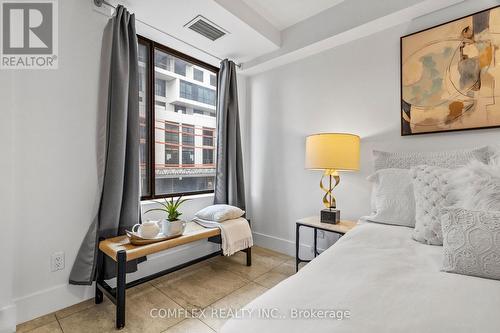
x,y
206,28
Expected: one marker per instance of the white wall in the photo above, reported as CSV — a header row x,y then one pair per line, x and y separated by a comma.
x,y
353,88
52,149
55,176
7,307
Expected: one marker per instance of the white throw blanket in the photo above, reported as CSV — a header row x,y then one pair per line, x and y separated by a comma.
x,y
236,234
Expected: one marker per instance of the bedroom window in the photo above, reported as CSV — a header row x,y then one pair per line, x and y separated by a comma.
x,y
177,145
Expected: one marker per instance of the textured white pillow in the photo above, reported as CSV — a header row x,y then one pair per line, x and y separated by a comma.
x,y
220,213
477,186
444,159
431,189
392,197
471,242
494,154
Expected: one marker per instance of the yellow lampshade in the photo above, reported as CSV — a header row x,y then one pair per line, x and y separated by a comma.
x,y
332,151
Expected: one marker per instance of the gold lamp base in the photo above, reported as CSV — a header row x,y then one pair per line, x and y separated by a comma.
x,y
331,214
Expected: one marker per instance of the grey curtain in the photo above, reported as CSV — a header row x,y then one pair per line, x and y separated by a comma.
x,y
120,196
229,181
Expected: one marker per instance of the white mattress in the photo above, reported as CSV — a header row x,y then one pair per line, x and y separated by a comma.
x,y
387,281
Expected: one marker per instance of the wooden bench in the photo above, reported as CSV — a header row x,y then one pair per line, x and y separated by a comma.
x,y
122,251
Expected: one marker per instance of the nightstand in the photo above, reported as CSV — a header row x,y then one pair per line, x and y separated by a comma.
x,y
314,222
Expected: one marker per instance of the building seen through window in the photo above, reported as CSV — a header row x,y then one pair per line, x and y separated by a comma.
x,y
184,124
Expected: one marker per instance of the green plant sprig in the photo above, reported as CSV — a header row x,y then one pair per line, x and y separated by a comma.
x,y
171,208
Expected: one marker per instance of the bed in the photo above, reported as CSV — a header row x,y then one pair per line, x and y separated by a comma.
x,y
386,281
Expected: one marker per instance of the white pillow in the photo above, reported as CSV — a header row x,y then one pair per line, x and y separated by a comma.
x,y
494,154
444,159
431,189
477,186
219,213
392,197
471,244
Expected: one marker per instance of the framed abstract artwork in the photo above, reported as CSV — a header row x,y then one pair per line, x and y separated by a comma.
x,y
450,75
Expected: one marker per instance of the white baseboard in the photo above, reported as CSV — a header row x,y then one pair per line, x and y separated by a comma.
x,y
282,245
8,319
58,297
49,300
274,243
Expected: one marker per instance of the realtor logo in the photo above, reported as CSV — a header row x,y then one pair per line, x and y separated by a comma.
x,y
29,34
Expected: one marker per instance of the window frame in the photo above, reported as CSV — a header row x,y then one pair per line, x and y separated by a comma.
x,y
150,108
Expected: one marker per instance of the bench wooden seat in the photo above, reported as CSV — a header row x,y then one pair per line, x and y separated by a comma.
x,y
193,232
122,251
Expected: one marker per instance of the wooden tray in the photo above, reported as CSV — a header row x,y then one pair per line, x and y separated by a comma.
x,y
135,239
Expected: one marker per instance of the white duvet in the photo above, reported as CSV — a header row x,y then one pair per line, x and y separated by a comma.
x,y
387,282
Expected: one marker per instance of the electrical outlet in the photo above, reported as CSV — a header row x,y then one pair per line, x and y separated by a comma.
x,y
57,261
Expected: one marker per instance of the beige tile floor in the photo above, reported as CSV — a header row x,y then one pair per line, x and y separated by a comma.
x,y
218,283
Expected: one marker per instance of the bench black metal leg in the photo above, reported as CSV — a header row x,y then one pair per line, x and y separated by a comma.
x,y
120,288
249,256
99,277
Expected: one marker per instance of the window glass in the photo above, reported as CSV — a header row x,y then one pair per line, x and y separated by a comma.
x,y
180,67
194,92
172,133
164,61
213,80
208,137
197,75
208,146
187,156
187,135
180,109
160,87
208,157
171,155
183,142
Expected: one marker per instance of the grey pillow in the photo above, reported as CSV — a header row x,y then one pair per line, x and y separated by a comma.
x,y
444,159
471,243
430,187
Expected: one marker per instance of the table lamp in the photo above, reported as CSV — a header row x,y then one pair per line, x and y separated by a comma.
x,y
332,152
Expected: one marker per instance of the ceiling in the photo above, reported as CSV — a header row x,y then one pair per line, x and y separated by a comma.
x,y
285,13
254,25
242,43
268,33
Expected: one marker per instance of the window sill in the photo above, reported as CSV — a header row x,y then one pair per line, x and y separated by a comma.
x,y
190,197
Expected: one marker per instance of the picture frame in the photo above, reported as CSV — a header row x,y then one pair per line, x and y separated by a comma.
x,y
450,75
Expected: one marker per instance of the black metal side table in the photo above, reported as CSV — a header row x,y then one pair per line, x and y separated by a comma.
x,y
314,222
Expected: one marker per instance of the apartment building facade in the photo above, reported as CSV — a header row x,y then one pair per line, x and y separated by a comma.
x,y
184,124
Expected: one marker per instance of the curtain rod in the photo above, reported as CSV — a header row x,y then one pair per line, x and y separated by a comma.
x,y
99,3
